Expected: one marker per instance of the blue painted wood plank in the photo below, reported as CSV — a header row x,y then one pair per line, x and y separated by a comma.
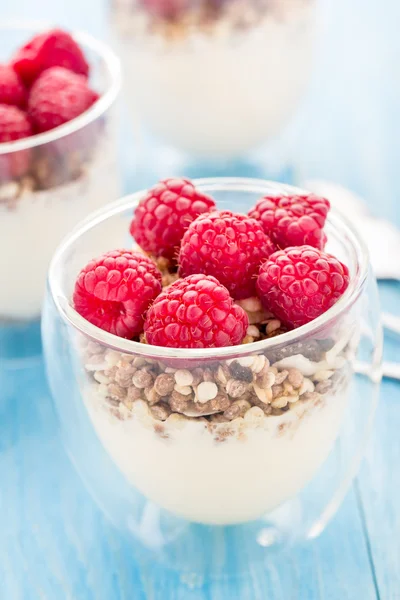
x,y
379,478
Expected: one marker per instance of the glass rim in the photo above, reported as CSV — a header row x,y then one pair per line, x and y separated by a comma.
x,y
113,65
207,185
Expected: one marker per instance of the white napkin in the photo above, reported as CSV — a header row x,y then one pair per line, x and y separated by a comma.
x,y
381,237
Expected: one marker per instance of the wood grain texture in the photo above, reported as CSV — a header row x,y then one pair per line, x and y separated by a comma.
x,y
378,484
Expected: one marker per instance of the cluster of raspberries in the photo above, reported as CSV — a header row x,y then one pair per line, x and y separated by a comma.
x,y
44,85
275,252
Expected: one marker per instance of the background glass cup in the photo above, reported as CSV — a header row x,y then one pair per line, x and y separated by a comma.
x,y
67,173
212,80
206,495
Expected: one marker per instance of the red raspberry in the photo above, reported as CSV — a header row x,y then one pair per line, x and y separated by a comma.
x,y
14,125
196,312
115,290
55,48
58,96
300,283
12,90
293,220
164,214
228,246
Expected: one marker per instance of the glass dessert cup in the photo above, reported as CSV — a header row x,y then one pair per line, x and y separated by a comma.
x,y
70,172
208,459
213,81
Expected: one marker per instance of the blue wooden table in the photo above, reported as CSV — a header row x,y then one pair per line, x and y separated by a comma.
x,y
54,542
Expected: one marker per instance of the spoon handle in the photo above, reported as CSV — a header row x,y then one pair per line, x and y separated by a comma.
x,y
390,370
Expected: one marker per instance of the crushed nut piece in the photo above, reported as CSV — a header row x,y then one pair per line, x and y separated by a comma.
x,y
241,372
263,394
253,331
112,357
322,375
185,390
223,374
138,362
288,388
266,380
178,402
205,391
292,398
133,394
142,379
295,378
219,404
281,376
236,388
124,375
161,411
151,396
306,386
277,390
258,363
272,326
164,384
116,392
237,409
183,378
266,408
279,402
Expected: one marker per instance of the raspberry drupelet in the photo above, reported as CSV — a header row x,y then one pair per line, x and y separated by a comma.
x,y
228,246
299,284
164,214
115,290
294,220
195,312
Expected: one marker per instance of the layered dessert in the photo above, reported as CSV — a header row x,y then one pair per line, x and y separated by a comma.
x,y
57,162
214,78
225,402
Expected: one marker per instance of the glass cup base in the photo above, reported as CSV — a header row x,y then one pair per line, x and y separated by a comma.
x,y
202,553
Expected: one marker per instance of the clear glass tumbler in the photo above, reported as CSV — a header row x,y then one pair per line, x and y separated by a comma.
x,y
264,463
213,80
63,175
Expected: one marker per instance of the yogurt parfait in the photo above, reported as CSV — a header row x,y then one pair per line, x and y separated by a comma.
x,y
57,155
214,78
213,354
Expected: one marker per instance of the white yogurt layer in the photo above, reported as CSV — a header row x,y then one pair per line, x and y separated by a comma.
x,y
31,231
191,474
218,93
